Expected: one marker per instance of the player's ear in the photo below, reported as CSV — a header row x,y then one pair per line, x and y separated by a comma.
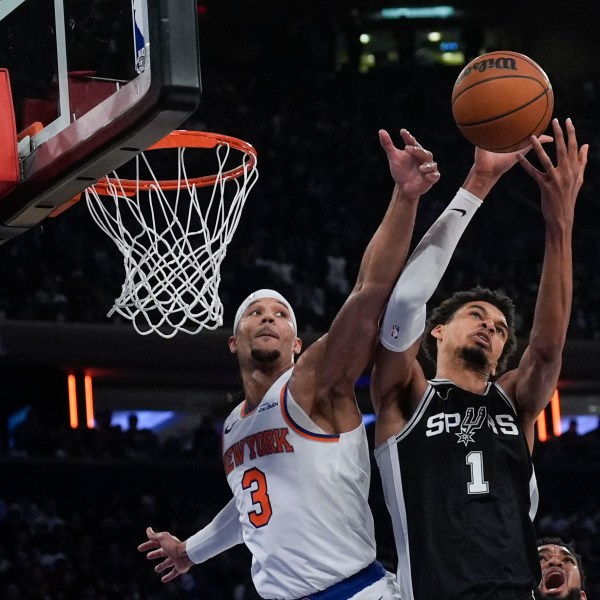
x,y
438,331
297,346
232,344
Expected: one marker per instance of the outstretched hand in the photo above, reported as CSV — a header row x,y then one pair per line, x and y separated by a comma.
x,y
495,164
163,545
413,168
559,184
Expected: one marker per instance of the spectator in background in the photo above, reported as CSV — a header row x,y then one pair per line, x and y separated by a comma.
x,y
571,443
563,577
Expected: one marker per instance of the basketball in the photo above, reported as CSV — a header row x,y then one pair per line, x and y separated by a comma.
x,y
500,99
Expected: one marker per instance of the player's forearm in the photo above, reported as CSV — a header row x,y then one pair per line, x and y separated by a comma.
x,y
387,251
555,293
222,533
344,359
404,318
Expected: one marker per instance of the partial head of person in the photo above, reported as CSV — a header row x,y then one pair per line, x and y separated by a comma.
x,y
265,329
477,325
563,577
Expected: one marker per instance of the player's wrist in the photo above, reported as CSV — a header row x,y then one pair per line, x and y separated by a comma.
x,y
406,195
183,556
480,183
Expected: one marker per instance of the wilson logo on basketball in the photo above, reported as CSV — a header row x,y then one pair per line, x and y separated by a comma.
x,y
502,62
271,441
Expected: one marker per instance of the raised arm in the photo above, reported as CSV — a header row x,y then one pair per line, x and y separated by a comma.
x,y
398,380
324,378
534,381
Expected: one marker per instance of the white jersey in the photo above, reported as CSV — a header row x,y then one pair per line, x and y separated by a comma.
x,y
302,496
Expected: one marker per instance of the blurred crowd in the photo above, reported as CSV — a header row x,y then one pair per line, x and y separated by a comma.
x,y
89,552
80,543
41,438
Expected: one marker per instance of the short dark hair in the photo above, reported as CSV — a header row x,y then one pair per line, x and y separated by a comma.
x,y
445,312
556,541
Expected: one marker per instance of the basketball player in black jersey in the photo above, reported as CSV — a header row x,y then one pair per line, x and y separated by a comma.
x,y
563,577
455,452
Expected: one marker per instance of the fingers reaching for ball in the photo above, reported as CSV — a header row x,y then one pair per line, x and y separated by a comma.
x,y
409,139
413,169
429,168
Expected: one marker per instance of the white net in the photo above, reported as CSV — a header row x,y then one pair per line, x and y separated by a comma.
x,y
173,242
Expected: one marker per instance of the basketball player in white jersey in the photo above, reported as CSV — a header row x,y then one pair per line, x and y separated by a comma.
x,y
295,450
455,452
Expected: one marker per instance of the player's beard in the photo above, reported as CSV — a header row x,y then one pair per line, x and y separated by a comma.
x,y
474,357
265,356
572,595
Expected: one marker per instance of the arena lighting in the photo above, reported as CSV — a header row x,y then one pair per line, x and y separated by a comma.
x,y
89,401
541,427
418,12
555,418
72,386
154,420
555,409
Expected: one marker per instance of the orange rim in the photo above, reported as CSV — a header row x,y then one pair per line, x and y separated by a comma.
x,y
181,138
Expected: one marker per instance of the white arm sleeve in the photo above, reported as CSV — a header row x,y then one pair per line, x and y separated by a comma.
x,y
222,533
404,318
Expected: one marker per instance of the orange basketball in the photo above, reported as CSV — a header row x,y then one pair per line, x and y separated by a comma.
x,y
500,99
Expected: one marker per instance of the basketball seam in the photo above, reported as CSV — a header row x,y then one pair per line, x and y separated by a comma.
x,y
524,138
510,112
495,78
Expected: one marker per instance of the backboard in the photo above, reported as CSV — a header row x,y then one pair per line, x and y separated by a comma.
x,y
94,82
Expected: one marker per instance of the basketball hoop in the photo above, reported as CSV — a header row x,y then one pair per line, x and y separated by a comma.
x,y
172,241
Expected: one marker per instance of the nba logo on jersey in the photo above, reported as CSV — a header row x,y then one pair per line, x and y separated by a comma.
x,y
139,34
395,331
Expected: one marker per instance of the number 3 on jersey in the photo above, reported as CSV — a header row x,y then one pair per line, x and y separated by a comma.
x,y
478,484
256,481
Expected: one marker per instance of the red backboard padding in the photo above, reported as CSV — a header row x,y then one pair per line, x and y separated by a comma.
x,y
85,93
9,156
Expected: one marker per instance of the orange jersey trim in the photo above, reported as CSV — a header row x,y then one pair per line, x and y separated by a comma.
x,y
327,438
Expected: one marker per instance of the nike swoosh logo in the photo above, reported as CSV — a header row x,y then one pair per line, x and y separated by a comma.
x,y
228,429
460,210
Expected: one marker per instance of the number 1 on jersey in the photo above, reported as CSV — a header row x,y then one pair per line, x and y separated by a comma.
x,y
478,484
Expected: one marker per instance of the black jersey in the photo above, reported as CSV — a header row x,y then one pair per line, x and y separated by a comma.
x,y
460,488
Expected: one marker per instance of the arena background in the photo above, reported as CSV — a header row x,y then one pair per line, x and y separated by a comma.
x,y
296,82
